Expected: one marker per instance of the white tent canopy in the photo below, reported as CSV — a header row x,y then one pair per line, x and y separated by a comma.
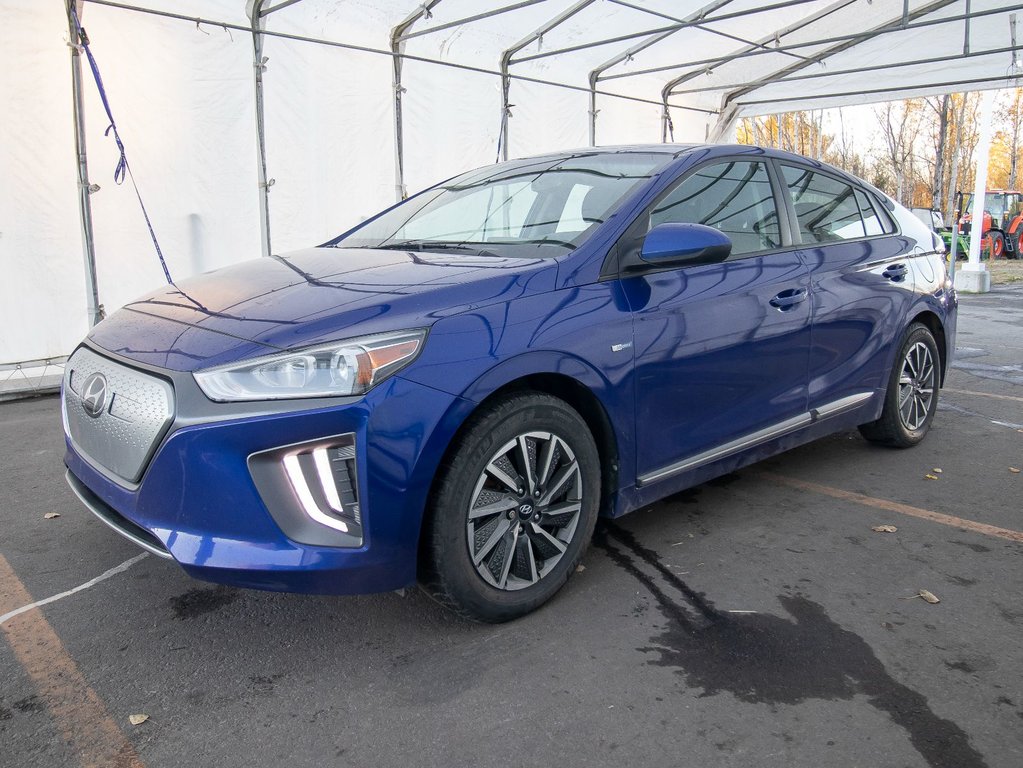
x,y
362,99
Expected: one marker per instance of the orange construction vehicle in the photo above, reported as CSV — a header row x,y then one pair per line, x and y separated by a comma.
x,y
1003,222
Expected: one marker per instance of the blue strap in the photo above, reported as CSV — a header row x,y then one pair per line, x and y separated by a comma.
x,y
122,169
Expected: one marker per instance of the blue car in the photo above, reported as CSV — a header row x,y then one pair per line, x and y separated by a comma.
x,y
453,391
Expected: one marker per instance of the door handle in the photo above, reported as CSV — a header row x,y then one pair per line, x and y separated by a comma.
x,y
896,272
788,298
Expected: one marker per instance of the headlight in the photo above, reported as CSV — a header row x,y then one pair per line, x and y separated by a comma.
x,y
340,368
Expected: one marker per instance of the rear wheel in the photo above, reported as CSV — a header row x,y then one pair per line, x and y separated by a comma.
x,y
912,395
514,509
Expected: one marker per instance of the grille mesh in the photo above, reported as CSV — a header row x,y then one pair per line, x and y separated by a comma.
x,y
136,411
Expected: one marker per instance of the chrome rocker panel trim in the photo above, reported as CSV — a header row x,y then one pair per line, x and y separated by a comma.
x,y
740,444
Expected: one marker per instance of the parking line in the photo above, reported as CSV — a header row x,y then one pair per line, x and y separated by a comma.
x,y
983,394
76,708
894,506
60,596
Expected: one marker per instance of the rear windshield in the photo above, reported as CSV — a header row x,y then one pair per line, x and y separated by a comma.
x,y
546,205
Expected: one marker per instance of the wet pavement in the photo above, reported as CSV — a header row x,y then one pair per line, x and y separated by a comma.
x,y
754,621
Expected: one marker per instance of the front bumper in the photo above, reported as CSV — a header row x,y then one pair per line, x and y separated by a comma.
x,y
197,501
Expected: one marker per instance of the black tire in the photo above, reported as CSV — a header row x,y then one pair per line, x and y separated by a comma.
x,y
997,245
908,408
467,485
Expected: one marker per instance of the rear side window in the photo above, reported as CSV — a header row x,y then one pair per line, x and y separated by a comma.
x,y
871,222
827,209
734,197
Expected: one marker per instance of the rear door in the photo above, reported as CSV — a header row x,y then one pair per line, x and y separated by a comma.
x,y
861,283
721,350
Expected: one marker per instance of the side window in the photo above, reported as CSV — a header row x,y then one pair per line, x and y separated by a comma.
x,y
734,197
871,221
826,209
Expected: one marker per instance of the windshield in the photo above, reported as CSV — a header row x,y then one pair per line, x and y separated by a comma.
x,y
994,203
547,205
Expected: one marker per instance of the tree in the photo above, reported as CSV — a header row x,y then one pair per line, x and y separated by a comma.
x,y
1010,115
963,142
941,109
900,127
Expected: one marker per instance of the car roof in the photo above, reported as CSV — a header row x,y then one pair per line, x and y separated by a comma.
x,y
677,151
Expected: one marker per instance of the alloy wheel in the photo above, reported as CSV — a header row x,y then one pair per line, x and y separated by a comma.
x,y
524,510
916,386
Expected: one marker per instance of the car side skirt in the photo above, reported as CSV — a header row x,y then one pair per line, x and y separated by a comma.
x,y
754,439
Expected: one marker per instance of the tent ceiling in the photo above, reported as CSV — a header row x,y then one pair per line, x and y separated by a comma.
x,y
728,57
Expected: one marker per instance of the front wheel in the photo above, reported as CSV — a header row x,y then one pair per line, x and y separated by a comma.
x,y
997,245
911,399
514,509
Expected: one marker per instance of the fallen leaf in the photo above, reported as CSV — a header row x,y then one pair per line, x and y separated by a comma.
x,y
927,596
884,528
1014,470
931,477
51,515
580,568
936,470
137,719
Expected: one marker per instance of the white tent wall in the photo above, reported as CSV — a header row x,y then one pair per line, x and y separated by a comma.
x,y
690,126
545,119
183,97
42,295
463,135
183,101
626,122
329,141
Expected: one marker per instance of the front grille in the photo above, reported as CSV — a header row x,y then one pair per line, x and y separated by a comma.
x,y
115,415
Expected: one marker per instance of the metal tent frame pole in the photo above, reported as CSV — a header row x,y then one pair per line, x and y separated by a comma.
x,y
860,70
658,30
506,62
94,310
896,24
398,38
709,63
266,33
254,10
597,73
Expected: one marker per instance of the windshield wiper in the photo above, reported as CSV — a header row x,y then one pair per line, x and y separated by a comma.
x,y
433,245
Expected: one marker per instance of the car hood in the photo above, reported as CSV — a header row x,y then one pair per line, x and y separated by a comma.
x,y
307,297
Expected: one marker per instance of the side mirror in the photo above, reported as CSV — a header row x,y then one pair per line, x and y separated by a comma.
x,y
676,244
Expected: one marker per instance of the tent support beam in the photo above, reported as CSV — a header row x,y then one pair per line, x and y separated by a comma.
x,y
669,87
470,19
699,26
860,70
893,25
658,30
94,309
710,62
266,33
506,62
256,16
945,86
596,74
397,48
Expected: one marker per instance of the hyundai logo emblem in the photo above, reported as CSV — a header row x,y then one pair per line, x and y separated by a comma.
x,y
525,510
94,395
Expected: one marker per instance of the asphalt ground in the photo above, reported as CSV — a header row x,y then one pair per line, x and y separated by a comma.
x,y
753,621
